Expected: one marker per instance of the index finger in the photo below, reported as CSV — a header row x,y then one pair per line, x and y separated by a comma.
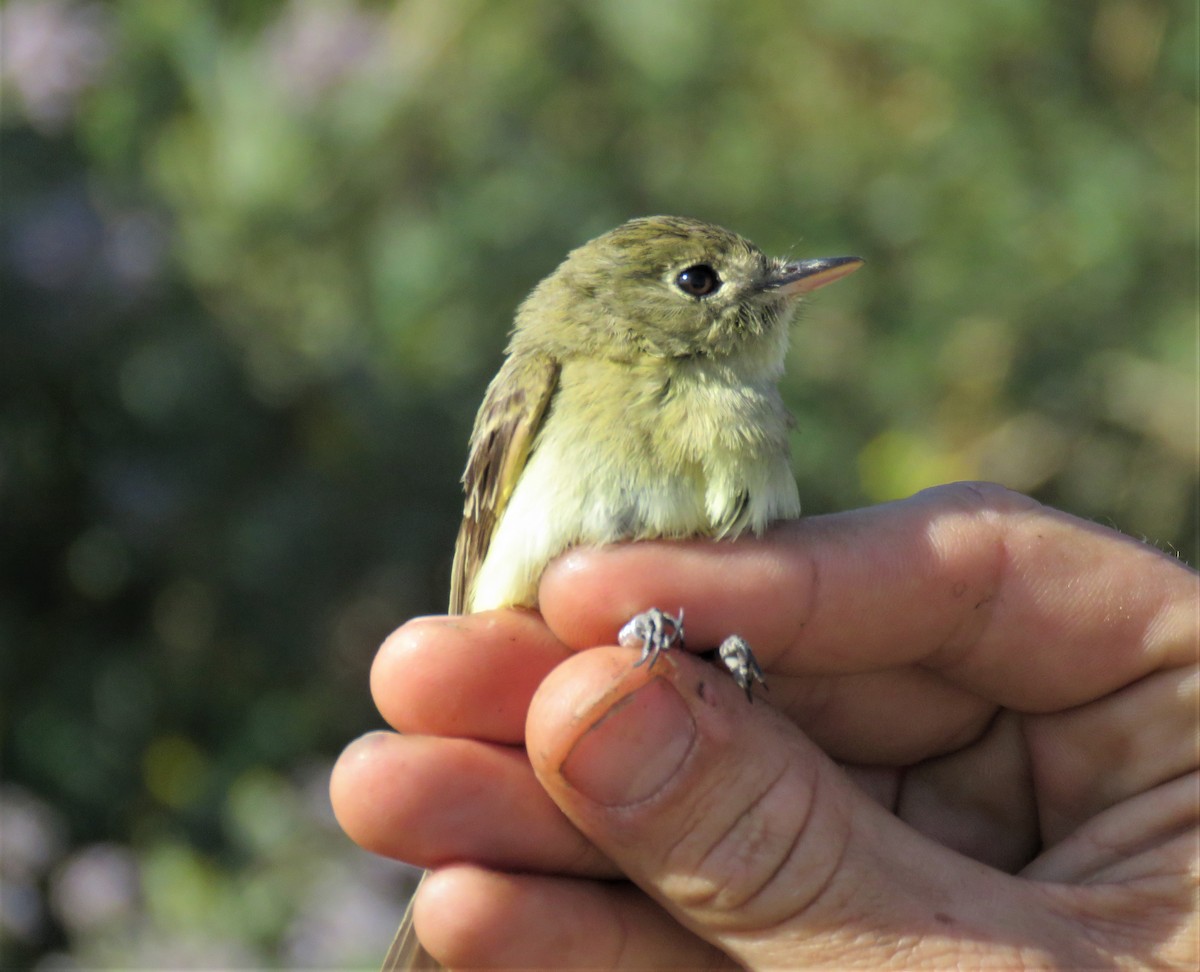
x,y
1024,605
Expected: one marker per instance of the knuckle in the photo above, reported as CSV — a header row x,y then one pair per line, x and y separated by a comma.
x,y
767,864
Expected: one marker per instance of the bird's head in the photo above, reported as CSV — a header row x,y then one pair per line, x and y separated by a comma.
x,y
669,287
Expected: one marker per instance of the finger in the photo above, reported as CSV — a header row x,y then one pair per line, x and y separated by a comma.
x,y
892,717
1148,840
1093,757
428,801
470,675
747,834
968,580
979,800
469,917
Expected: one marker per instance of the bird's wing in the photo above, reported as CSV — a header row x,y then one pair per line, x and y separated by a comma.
x,y
505,430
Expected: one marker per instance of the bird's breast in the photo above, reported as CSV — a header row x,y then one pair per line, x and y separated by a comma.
x,y
629,453
669,448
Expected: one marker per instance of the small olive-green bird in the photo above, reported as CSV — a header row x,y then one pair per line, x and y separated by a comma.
x,y
638,399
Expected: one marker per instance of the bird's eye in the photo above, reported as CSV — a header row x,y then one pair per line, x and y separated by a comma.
x,y
698,280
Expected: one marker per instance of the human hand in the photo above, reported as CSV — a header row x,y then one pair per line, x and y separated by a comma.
x,y
978,749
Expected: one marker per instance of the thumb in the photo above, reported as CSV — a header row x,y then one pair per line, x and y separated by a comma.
x,y
749,836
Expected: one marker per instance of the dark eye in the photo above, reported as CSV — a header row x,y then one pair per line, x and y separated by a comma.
x,y
699,280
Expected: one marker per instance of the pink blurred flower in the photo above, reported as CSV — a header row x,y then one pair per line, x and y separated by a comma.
x,y
52,51
317,44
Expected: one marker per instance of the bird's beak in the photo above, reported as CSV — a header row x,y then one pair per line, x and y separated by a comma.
x,y
794,279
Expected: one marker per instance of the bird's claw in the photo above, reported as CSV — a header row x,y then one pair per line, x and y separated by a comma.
x,y
655,630
735,654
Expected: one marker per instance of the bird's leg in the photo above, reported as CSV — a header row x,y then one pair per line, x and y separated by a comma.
x,y
655,631
736,655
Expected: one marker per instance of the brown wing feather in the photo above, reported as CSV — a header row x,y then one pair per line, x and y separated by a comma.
x,y
504,434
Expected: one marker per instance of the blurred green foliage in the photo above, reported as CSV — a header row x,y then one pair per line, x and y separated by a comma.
x,y
259,259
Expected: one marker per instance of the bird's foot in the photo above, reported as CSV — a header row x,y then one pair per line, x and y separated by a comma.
x,y
655,631
735,654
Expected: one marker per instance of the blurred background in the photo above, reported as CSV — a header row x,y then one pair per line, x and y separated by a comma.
x,y
258,262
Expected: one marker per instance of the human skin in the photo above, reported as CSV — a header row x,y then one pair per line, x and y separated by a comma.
x,y
978,749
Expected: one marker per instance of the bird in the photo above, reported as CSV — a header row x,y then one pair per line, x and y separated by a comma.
x,y
638,399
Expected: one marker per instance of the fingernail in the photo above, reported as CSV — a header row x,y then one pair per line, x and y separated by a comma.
x,y
633,750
